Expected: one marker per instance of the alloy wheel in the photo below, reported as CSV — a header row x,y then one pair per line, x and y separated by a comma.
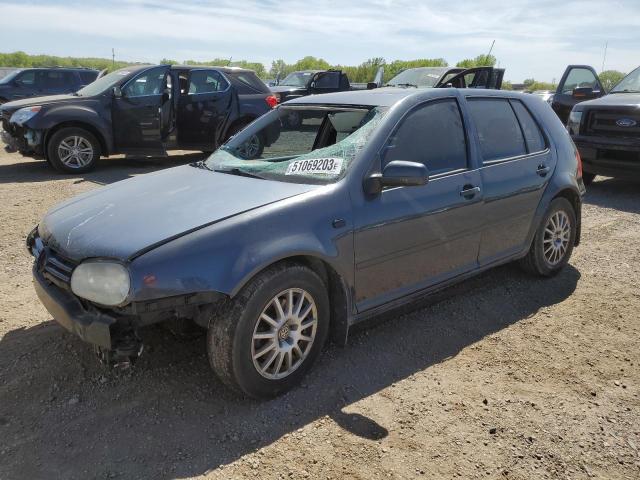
x,y
75,152
250,149
557,235
284,333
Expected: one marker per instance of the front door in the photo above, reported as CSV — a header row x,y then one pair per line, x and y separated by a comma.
x,y
409,238
25,85
203,107
578,83
138,113
517,163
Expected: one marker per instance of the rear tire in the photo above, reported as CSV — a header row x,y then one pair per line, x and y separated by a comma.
x,y
587,177
252,148
73,150
261,351
554,240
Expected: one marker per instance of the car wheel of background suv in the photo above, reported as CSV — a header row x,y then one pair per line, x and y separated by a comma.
x,y
263,341
73,150
554,240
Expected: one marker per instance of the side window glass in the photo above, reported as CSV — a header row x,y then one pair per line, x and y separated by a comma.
x,y
432,134
28,79
498,129
203,81
328,80
532,134
579,77
150,82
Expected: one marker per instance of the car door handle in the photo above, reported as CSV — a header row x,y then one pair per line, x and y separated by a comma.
x,y
469,191
543,170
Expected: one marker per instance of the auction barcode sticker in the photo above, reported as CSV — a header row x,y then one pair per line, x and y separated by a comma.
x,y
327,166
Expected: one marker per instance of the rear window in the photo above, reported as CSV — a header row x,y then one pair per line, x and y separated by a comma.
x,y
247,83
88,77
532,134
498,129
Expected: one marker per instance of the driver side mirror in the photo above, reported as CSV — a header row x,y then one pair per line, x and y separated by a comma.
x,y
117,92
397,173
584,92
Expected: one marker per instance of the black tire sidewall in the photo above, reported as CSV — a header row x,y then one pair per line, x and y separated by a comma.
x,y
248,378
587,178
541,264
57,137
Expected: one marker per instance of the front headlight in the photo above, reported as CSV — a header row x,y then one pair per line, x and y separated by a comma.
x,y
103,282
573,124
24,114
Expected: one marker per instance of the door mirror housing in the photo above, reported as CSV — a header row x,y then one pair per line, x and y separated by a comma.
x,y
397,173
117,92
584,92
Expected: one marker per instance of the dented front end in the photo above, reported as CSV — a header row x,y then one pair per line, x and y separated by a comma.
x,y
21,138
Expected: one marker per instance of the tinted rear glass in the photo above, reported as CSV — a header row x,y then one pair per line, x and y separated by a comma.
x,y
248,82
532,133
88,77
498,129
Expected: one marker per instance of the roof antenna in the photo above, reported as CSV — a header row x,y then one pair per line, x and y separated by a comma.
x,y
604,57
490,50
229,62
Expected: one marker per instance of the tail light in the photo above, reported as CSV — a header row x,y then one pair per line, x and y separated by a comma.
x,y
579,169
272,101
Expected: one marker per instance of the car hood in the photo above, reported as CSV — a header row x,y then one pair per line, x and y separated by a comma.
x,y
28,102
615,100
123,219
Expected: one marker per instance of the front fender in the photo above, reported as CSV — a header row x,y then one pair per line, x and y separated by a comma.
x,y
224,256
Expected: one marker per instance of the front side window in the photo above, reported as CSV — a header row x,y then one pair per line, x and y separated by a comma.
x,y
148,83
206,81
27,79
432,134
498,129
579,78
318,151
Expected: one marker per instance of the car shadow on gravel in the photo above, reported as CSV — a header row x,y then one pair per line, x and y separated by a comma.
x,y
63,416
616,193
109,170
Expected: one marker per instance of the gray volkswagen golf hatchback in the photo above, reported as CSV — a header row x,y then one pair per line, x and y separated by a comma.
x,y
378,198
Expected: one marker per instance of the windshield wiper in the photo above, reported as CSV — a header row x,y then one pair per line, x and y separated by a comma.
x,y
240,173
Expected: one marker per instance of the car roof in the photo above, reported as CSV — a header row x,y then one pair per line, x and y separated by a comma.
x,y
79,69
216,67
388,96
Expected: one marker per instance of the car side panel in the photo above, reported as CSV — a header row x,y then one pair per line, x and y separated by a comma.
x,y
225,256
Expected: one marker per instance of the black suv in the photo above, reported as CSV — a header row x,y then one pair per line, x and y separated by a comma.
x,y
141,110
606,130
36,82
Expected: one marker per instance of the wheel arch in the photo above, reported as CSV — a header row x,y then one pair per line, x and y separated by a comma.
x,y
337,289
576,202
104,148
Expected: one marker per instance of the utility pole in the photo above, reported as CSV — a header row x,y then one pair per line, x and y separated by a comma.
x,y
113,58
604,57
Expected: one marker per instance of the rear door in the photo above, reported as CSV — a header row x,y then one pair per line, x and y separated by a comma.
x,y
578,83
517,163
203,108
138,114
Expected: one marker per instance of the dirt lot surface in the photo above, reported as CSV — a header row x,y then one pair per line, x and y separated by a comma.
x,y
514,377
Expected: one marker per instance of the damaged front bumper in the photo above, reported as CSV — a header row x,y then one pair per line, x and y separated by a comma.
x,y
22,139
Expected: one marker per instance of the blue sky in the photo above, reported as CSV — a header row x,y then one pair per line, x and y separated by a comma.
x,y
533,38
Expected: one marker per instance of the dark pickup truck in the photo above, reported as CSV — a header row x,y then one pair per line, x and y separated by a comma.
x,y
604,126
141,110
444,77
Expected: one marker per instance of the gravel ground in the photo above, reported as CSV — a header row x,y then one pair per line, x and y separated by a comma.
x,y
513,377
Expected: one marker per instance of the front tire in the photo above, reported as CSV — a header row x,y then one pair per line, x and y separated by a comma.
x,y
262,342
554,240
73,150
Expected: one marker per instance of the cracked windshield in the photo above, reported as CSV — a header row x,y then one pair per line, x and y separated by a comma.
x,y
298,145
